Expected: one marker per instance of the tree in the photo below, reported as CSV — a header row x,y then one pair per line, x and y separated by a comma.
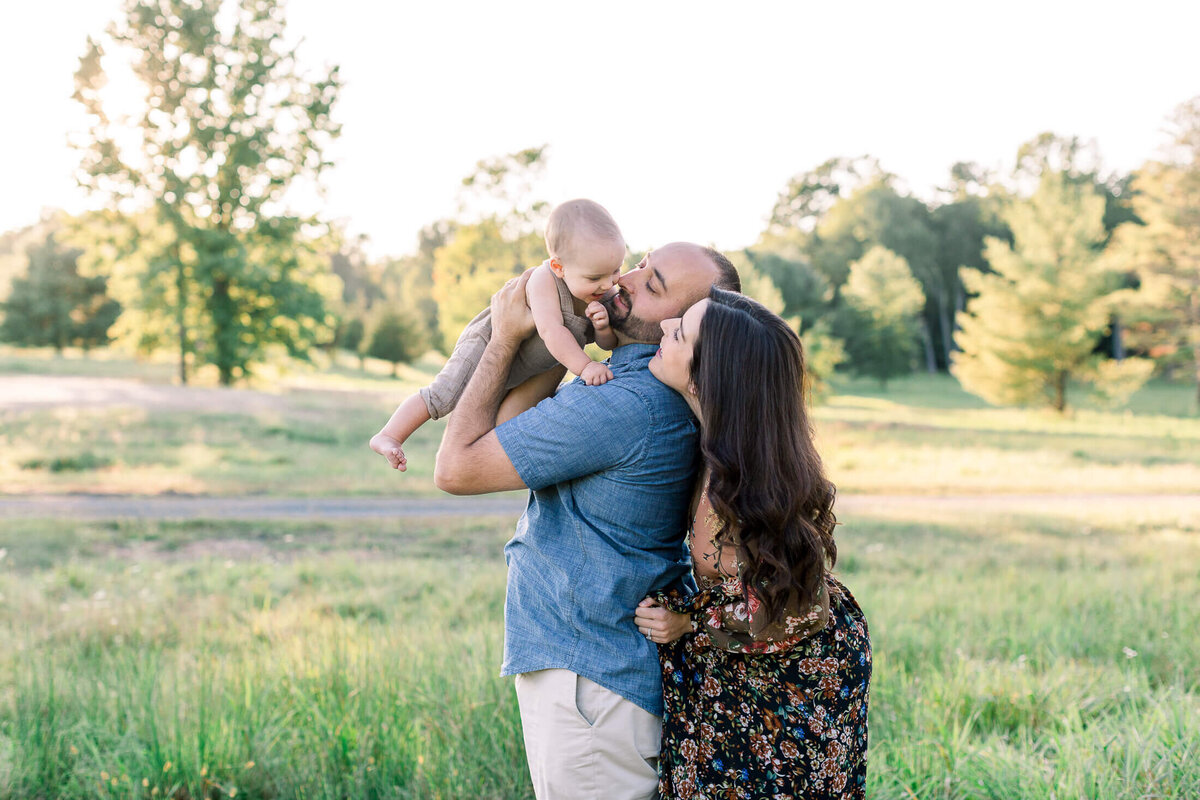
x,y
228,125
52,304
967,215
877,214
883,304
1165,251
353,332
409,280
809,196
504,189
397,338
1035,322
822,351
1077,161
469,269
804,291
15,246
503,238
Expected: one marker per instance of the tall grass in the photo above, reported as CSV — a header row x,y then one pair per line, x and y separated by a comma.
x,y
1015,657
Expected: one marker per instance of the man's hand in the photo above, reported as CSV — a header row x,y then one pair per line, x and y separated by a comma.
x,y
511,318
389,448
658,624
598,314
595,374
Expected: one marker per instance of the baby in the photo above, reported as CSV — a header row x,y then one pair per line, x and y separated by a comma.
x,y
586,252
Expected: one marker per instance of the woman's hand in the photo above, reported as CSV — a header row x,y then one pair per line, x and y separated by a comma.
x,y
511,317
660,625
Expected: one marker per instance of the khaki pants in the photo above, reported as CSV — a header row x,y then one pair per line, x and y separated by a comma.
x,y
585,742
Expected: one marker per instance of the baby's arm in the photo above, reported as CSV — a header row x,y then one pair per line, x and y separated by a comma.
x,y
542,294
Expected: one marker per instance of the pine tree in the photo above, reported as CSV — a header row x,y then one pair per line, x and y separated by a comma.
x,y
398,338
52,304
1165,253
882,321
1034,323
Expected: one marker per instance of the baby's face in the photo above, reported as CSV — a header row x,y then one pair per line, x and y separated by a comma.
x,y
592,273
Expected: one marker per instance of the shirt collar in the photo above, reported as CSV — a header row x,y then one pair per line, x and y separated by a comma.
x,y
631,352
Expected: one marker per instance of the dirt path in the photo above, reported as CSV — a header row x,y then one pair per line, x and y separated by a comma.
x,y
116,507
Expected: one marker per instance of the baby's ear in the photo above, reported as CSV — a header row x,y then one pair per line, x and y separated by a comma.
x,y
556,267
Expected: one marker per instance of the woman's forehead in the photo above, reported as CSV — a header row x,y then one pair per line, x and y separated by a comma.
x,y
692,317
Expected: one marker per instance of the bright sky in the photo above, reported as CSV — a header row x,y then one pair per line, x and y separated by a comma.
x,y
685,119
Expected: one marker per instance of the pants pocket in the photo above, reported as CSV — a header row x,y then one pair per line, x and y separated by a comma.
x,y
586,696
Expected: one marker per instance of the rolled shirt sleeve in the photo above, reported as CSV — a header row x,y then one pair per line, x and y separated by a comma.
x,y
580,431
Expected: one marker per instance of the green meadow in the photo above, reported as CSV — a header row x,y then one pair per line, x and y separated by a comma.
x,y
303,431
1046,653
1015,657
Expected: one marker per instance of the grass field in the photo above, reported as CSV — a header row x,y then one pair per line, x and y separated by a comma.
x,y
924,436
1016,656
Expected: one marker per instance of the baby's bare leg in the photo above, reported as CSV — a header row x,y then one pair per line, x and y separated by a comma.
x,y
408,416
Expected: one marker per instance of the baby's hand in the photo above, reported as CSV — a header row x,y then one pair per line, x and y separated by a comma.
x,y
598,314
389,448
596,373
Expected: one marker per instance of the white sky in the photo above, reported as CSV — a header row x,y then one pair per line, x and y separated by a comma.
x,y
685,119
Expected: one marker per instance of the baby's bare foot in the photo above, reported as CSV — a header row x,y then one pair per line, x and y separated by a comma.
x,y
390,448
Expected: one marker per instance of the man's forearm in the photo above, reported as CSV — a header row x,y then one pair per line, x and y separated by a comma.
x,y
475,415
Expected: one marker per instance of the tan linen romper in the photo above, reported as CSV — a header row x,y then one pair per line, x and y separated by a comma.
x,y
533,358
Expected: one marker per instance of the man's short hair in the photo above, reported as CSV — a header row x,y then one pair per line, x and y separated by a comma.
x,y
728,278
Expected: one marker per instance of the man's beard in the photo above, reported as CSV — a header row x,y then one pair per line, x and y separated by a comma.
x,y
628,324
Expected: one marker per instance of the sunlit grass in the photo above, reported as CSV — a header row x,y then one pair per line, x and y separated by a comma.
x,y
1015,657
925,436
334,370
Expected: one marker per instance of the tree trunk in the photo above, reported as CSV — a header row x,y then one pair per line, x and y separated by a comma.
x,y
1195,335
181,314
1118,342
1196,356
222,317
946,319
1060,392
394,365
930,358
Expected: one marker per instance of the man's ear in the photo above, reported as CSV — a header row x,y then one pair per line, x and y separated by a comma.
x,y
556,267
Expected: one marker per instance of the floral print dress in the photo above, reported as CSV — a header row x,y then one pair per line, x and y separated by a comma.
x,y
757,712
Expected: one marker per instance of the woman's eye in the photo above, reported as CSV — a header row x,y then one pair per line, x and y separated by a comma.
x,y
675,334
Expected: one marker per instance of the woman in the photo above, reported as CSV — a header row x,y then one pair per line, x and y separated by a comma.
x,y
765,668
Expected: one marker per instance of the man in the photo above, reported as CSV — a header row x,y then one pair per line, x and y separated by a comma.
x,y
611,470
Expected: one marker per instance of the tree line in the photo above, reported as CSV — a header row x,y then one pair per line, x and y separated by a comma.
x,y
1021,284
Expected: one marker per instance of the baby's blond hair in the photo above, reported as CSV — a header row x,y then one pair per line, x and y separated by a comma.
x,y
576,223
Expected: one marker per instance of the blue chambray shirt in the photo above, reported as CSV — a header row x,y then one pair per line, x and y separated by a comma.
x,y
610,470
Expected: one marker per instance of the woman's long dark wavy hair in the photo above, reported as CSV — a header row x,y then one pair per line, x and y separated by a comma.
x,y
766,481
